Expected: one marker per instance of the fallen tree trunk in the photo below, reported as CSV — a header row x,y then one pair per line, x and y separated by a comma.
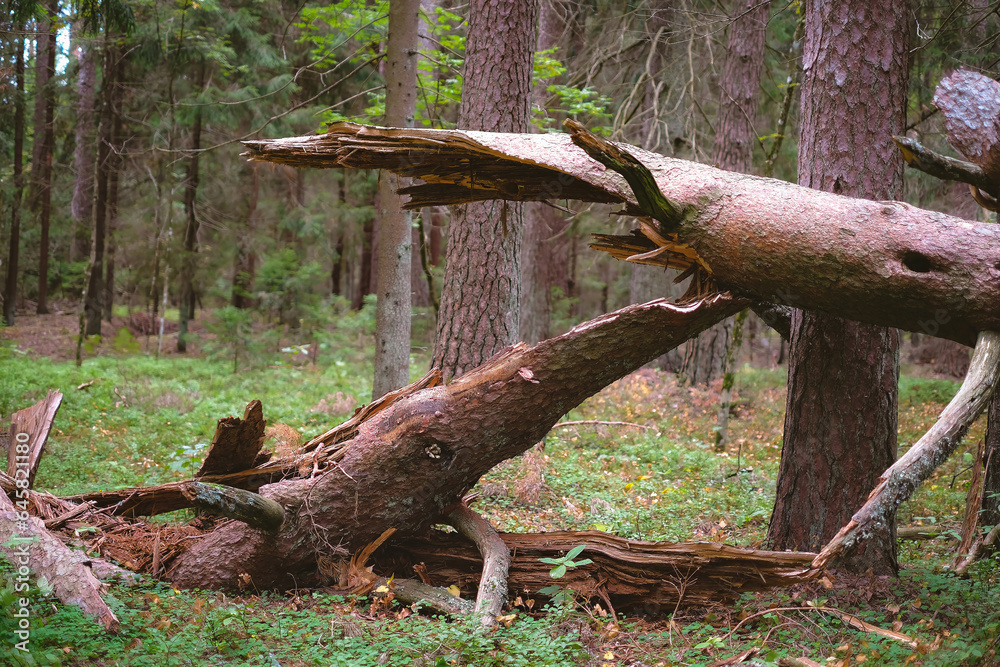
x,y
412,460
650,577
887,263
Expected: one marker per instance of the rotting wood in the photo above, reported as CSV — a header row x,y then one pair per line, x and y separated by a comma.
x,y
29,431
886,263
415,458
26,542
236,444
651,577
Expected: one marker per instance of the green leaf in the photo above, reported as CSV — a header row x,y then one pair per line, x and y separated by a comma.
x,y
558,572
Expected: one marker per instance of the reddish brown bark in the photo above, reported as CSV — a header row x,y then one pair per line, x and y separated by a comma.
x,y
840,420
892,264
481,288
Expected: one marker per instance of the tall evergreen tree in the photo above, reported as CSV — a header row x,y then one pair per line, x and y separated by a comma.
x,y
840,421
480,298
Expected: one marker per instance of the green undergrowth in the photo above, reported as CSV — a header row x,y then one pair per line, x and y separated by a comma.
x,y
635,460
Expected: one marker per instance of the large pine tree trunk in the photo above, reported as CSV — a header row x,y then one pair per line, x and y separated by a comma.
x,y
893,264
394,305
735,140
480,299
840,421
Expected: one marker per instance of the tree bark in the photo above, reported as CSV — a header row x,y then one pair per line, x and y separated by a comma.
x,y
94,302
893,264
83,155
41,160
899,481
480,298
840,419
735,139
415,458
10,286
394,305
543,261
188,261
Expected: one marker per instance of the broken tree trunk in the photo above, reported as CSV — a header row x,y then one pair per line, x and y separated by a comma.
x,y
886,263
412,460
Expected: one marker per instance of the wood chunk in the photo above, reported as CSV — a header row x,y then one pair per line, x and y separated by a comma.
x,y
29,431
236,443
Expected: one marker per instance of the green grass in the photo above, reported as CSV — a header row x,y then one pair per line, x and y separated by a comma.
x,y
144,421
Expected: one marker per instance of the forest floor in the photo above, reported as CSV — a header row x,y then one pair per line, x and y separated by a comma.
x,y
634,460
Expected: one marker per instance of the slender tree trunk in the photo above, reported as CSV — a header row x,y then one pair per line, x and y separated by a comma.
x,y
392,314
539,257
94,303
245,259
840,422
735,139
83,156
114,174
481,293
364,283
990,514
188,264
10,287
41,161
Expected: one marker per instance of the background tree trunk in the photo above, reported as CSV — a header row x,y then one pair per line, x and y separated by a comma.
x,y
246,259
94,303
481,291
543,261
41,160
840,421
735,139
990,515
188,262
394,306
10,287
83,155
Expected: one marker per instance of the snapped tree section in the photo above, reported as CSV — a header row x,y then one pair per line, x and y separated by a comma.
x,y
887,263
409,463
